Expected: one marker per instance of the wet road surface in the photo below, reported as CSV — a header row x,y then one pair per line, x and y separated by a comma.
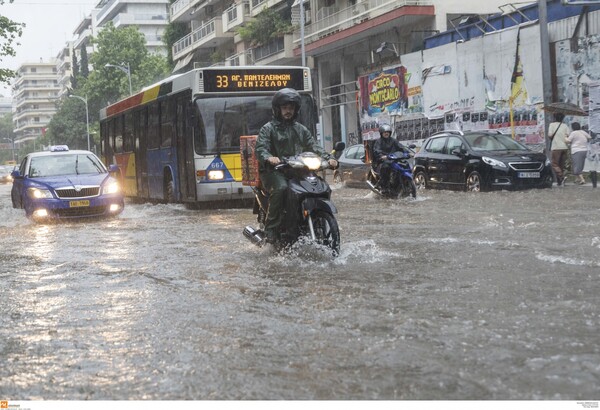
x,y
488,296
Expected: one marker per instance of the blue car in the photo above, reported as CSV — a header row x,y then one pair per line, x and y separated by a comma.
x,y
64,184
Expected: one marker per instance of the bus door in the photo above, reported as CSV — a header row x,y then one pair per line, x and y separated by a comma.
x,y
185,150
141,148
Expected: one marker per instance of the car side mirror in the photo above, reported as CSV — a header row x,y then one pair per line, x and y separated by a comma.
x,y
16,174
113,168
458,152
364,159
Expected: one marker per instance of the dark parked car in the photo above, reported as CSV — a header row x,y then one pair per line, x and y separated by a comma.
x,y
353,169
479,161
62,184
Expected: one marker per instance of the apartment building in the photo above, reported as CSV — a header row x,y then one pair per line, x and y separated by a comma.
x,y
341,40
64,68
150,16
35,91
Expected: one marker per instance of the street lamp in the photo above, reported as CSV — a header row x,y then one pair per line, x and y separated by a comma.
x,y
126,70
87,116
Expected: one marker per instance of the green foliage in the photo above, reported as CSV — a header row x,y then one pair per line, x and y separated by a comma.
x,y
10,31
267,26
105,85
6,137
70,127
85,70
173,32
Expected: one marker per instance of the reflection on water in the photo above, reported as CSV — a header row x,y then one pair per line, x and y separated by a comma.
x,y
451,296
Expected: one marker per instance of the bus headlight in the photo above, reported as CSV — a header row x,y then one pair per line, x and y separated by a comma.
x,y
38,193
216,175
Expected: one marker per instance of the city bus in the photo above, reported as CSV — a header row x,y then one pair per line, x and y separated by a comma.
x,y
178,141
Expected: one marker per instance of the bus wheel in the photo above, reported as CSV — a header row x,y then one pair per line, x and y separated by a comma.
x,y
170,191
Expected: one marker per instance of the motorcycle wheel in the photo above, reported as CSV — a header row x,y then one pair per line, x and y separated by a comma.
x,y
337,177
327,231
409,188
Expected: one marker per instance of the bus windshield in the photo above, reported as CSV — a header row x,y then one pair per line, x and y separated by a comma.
x,y
223,120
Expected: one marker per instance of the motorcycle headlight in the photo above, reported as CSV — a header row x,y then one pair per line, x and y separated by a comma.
x,y
493,162
312,162
39,193
111,188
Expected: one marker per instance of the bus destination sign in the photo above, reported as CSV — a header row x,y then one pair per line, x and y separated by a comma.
x,y
264,79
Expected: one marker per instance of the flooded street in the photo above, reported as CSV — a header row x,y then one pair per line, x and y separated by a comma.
x,y
470,296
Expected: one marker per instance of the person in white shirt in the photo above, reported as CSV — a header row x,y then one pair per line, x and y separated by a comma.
x,y
578,140
558,132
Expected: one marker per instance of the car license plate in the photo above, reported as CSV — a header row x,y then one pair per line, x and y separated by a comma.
x,y
77,204
529,174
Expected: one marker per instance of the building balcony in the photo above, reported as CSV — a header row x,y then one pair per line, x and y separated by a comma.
x,y
236,15
278,51
123,19
256,6
329,20
243,58
83,38
209,35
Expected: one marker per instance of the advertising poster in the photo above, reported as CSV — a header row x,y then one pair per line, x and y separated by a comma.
x,y
382,95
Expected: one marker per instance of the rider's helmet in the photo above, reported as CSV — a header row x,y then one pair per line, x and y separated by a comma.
x,y
385,128
285,96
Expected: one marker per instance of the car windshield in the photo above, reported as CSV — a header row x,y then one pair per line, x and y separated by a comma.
x,y
66,164
493,142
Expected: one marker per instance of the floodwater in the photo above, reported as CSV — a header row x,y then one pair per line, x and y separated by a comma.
x,y
455,295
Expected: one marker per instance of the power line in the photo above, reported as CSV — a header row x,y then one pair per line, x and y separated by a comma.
x,y
55,3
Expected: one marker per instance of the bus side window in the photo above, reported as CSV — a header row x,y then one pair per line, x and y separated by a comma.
x,y
128,135
153,122
119,135
166,123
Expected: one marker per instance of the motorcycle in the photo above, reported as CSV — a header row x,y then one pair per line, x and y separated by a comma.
x,y
308,210
401,182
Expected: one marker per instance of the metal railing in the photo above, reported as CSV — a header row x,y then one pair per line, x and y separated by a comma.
x,y
348,17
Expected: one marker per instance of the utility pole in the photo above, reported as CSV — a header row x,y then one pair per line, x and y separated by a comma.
x,y
546,72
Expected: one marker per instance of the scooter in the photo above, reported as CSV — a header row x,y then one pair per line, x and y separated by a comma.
x,y
308,210
401,182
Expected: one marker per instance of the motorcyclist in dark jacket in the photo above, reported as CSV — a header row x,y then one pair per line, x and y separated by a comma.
x,y
383,146
281,137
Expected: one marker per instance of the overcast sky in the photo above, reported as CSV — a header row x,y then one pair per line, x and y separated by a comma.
x,y
49,25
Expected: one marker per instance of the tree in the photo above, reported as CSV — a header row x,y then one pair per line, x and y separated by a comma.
x,y
74,71
268,25
85,70
104,85
10,31
173,32
68,126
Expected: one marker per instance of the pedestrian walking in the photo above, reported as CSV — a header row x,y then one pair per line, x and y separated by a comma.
x,y
559,151
578,141
592,161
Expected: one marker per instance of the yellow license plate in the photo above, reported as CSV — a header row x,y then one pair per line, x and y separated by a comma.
x,y
77,204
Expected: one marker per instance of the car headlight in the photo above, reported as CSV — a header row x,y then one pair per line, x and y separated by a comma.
x,y
493,162
111,188
38,193
216,175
